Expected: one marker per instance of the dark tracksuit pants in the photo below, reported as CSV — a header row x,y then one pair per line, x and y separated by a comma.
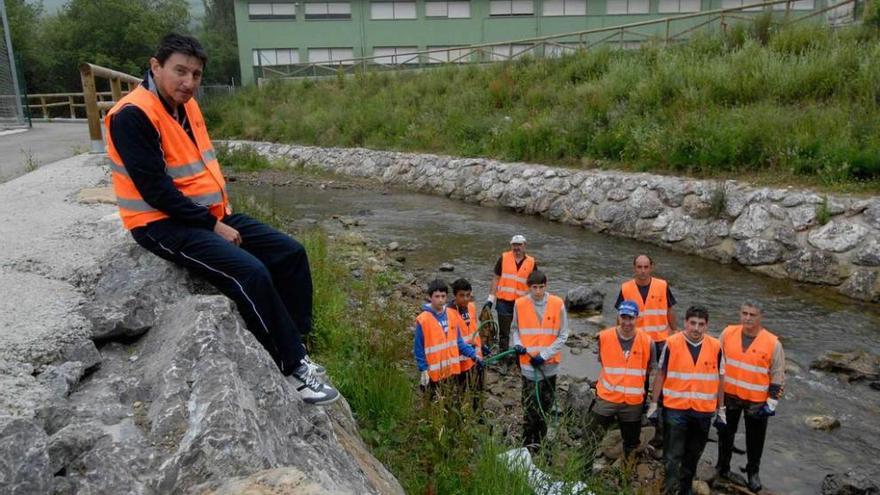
x,y
686,434
756,432
535,425
505,318
267,276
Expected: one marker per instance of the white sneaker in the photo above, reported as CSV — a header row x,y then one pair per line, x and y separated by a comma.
x,y
311,389
316,368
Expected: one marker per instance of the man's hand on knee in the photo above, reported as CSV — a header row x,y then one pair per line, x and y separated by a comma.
x,y
227,232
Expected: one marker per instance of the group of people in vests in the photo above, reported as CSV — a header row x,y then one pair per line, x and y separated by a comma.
x,y
683,382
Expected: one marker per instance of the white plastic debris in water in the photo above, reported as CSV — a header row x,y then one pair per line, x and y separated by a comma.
x,y
521,460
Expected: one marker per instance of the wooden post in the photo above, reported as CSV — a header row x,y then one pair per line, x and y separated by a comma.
x,y
70,102
666,42
116,88
621,38
92,113
43,107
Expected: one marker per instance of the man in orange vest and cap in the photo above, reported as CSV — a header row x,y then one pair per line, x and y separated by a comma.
x,y
753,382
438,345
538,333
509,283
690,375
626,355
172,197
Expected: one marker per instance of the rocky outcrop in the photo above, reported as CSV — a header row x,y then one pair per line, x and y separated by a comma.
x,y
771,231
849,484
177,397
852,365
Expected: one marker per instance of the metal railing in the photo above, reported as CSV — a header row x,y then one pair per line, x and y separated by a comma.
x,y
95,108
666,30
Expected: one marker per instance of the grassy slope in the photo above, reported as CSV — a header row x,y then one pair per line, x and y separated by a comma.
x,y
799,105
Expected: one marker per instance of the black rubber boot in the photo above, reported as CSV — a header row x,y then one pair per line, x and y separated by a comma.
x,y
754,482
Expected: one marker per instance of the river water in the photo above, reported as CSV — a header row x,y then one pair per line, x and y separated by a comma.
x,y
809,320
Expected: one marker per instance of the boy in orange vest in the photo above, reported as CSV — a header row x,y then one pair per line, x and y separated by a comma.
x,y
690,375
465,312
538,331
438,345
626,355
753,383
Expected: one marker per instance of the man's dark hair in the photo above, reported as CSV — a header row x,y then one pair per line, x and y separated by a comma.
x,y
437,285
697,311
178,43
460,285
536,277
636,258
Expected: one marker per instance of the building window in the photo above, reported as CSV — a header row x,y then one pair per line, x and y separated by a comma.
x,y
796,5
450,54
451,10
336,56
508,52
676,6
328,10
559,49
267,57
628,6
511,7
730,4
565,7
393,55
393,10
273,10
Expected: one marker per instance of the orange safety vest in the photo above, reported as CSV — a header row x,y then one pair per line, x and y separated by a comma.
x,y
193,167
747,373
441,348
622,379
468,334
689,385
538,335
653,312
512,283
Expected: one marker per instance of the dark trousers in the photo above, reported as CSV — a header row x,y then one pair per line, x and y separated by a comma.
x,y
686,436
756,432
630,431
535,425
267,276
505,318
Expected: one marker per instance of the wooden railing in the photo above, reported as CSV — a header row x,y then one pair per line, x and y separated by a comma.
x,y
71,106
95,108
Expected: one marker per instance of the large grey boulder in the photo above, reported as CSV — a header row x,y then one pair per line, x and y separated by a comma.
x,y
863,284
849,483
837,236
869,253
751,223
852,365
818,267
584,298
757,252
24,460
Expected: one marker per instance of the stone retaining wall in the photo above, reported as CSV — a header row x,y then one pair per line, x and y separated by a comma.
x,y
778,232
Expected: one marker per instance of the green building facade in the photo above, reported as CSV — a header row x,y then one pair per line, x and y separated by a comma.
x,y
276,37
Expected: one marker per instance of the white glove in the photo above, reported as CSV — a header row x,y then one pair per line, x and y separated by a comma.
x,y
491,299
771,404
652,410
721,415
424,379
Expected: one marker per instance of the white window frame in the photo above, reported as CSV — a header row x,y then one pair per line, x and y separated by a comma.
x,y
400,9
729,4
396,55
632,7
322,11
679,6
511,8
456,54
447,7
797,5
560,49
334,55
500,53
271,55
569,8
272,15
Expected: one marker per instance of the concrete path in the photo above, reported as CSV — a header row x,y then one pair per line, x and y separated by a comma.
x,y
21,152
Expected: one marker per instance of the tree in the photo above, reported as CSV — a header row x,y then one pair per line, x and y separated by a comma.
x,y
24,27
220,40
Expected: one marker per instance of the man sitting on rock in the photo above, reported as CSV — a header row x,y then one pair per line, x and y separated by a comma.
x,y
626,355
172,197
438,345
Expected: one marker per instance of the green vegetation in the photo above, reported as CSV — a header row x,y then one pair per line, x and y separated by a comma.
x,y
797,104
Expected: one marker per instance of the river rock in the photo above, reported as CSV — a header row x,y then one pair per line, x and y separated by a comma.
x,y
854,365
837,236
802,217
871,214
24,459
862,284
584,298
447,267
278,481
818,267
751,223
822,422
757,252
393,246
700,487
869,253
579,400
849,483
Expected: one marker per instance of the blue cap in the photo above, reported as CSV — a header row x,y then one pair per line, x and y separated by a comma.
x,y
628,308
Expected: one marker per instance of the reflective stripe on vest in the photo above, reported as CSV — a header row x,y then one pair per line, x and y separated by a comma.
x,y
747,373
512,283
468,334
622,379
538,336
690,385
441,348
653,311
192,166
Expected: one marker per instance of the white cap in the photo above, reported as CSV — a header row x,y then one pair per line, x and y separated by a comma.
x,y
518,239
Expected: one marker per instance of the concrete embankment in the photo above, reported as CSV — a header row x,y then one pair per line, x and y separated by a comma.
x,y
121,374
801,235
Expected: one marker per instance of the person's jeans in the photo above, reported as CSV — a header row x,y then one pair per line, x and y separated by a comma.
x,y
756,432
267,276
686,435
